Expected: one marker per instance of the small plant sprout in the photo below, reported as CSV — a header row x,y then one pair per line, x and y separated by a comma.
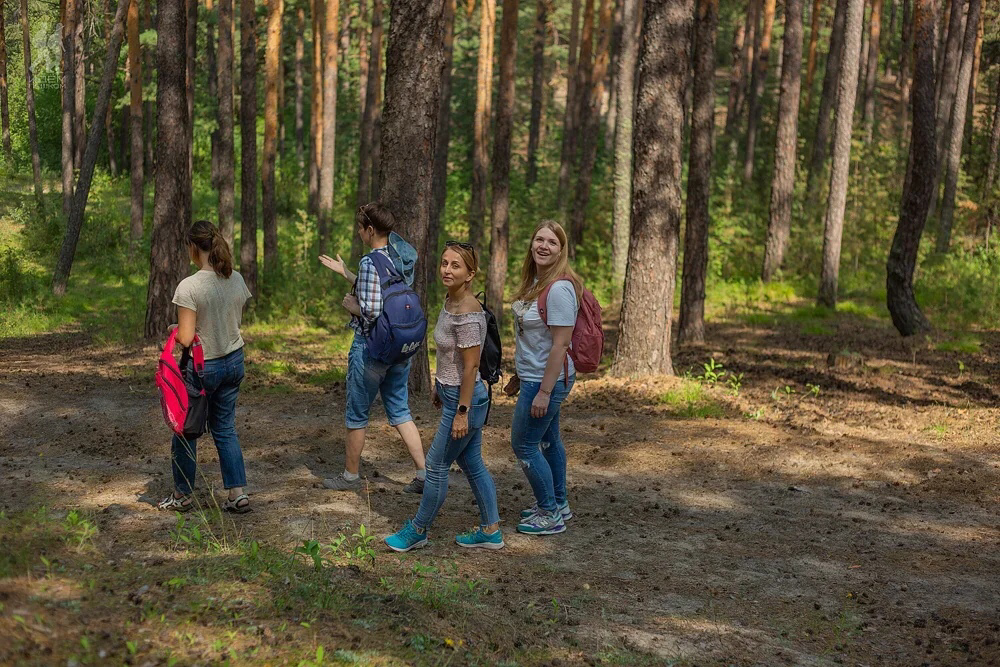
x,y
714,372
813,389
735,382
961,369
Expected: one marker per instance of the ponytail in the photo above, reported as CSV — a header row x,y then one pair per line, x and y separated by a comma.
x,y
207,238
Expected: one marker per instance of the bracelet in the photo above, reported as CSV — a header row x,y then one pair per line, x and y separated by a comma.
x,y
547,393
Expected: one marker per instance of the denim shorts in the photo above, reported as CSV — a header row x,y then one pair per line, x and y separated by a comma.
x,y
367,378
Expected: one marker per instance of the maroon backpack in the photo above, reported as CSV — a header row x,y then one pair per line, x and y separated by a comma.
x,y
183,399
587,344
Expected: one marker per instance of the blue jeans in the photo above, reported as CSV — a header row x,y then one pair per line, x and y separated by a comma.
x,y
538,444
467,450
366,378
221,381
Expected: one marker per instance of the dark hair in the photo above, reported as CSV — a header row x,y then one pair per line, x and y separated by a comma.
x,y
207,238
374,214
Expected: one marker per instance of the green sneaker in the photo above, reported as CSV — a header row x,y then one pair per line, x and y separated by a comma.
x,y
477,539
564,510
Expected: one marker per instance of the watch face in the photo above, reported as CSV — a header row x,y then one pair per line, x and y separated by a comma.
x,y
462,409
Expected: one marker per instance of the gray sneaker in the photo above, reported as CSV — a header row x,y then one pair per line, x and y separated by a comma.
x,y
542,524
416,485
564,510
341,483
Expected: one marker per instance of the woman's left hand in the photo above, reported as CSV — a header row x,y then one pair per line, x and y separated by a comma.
x,y
540,405
460,426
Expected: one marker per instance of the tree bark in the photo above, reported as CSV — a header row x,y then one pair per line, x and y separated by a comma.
x,y
833,225
904,69
148,107
367,138
481,122
68,101
4,111
213,86
644,338
581,103
902,261
783,182
29,95
136,176
953,158
871,74
108,117
947,83
537,80
736,81
272,80
817,8
328,163
994,157
414,59
970,115
377,136
568,143
316,114
80,85
611,87
827,99
625,81
300,55
362,55
758,79
691,326
82,191
168,259
442,137
224,68
248,144
191,49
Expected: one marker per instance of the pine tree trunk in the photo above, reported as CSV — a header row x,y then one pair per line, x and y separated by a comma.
x,y
365,174
108,117
827,100
817,8
863,61
248,144
783,182
191,49
412,103
377,135
269,214
82,190
970,116
735,76
68,101
833,225
328,162
904,69
947,83
758,79
224,67
751,46
213,86
442,137
136,177
611,87
300,55
691,326
537,80
664,62
481,122
362,55
568,143
994,156
953,158
316,114
584,79
148,107
621,225
80,83
902,261
4,111
168,260
29,100
871,74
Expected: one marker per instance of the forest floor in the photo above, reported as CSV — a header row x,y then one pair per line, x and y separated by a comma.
x,y
836,502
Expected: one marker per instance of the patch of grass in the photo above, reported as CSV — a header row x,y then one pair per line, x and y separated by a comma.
x,y
328,377
691,400
966,344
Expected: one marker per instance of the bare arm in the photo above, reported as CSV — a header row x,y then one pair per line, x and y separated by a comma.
x,y
185,325
561,337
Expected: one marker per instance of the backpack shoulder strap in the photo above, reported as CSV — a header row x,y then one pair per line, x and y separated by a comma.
x,y
384,267
543,299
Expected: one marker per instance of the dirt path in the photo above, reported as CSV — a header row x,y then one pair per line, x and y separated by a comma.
x,y
854,523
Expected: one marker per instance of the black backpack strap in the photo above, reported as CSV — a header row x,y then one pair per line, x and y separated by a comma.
x,y
489,406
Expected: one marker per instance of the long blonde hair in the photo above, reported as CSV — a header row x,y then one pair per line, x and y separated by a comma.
x,y
529,289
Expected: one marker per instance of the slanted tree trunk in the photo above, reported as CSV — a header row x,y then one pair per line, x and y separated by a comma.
x,y
736,82
537,80
481,122
817,8
827,99
412,103
328,161
568,143
168,259
871,74
29,102
300,56
136,177
316,113
82,191
68,101
500,214
625,81
365,174
833,225
80,85
442,137
783,182
272,80
644,333
902,261
699,186
953,158
224,65
248,144
108,124
4,111
758,79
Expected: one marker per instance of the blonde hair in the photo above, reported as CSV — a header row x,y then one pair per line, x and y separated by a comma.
x,y
468,255
529,288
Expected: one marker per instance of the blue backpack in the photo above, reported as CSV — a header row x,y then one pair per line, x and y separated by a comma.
x,y
397,334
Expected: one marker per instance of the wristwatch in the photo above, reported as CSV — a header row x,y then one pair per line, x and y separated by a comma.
x,y
463,409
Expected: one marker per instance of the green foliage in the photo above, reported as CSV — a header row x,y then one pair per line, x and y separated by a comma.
x,y
691,400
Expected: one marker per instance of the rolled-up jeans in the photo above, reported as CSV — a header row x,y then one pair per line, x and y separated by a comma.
x,y
538,445
467,451
221,380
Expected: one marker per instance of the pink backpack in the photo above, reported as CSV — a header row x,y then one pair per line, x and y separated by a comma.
x,y
587,344
185,406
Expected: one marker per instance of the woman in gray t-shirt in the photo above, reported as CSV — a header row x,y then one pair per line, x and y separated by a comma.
x,y
545,375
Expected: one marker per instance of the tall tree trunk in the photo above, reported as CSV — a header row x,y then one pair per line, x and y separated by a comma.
x,y
191,48
442,137
108,124
871,74
827,99
903,80
590,125
80,85
581,105
568,143
611,89
758,79
213,86
500,214
136,177
953,159
362,55
224,65
621,224
68,101
412,104
947,82
29,99
4,111
371,100
970,116
863,61
817,8
328,163
664,61
148,108
168,259
377,133
248,144
269,214
833,225
316,113
902,261
300,56
481,122
994,157
691,326
783,182
537,80
344,41
82,191
736,76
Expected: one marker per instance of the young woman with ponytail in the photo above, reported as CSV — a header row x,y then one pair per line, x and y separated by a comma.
x,y
210,304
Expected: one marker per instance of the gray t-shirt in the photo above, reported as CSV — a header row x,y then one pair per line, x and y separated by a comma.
x,y
452,334
218,303
534,339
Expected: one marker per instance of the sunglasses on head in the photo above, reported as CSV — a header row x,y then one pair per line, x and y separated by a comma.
x,y
460,244
363,210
